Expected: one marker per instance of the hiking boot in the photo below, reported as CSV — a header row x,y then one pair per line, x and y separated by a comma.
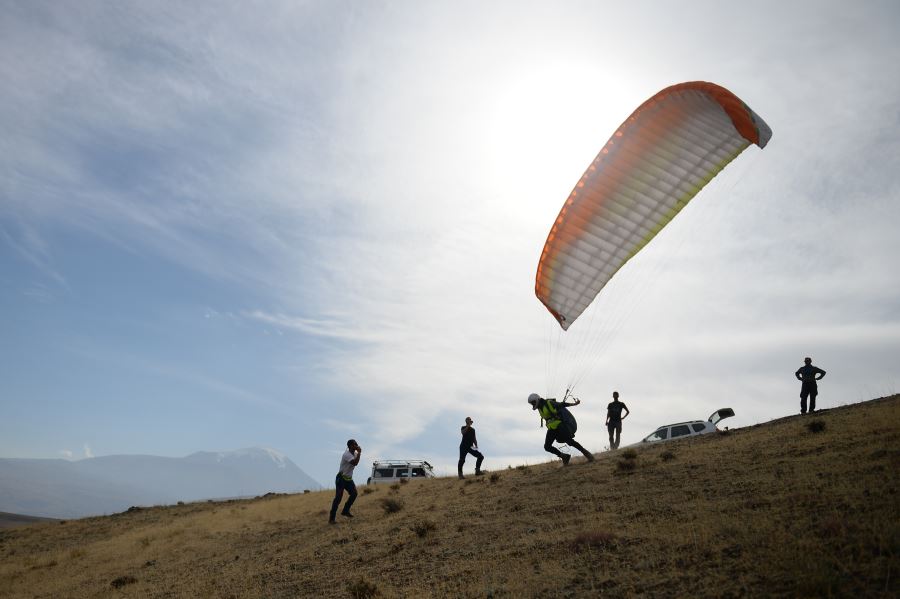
x,y
479,472
332,522
461,477
346,514
565,458
590,457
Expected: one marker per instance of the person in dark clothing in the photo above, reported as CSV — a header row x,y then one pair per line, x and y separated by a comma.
x,y
614,420
469,444
557,430
808,374
344,480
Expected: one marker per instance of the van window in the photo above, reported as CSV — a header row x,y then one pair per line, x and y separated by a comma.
x,y
698,428
680,430
659,435
402,473
384,473
418,472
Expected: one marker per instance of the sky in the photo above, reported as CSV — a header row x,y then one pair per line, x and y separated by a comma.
x,y
285,224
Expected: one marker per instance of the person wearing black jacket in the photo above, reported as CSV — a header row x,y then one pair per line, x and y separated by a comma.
x,y
808,374
614,420
469,445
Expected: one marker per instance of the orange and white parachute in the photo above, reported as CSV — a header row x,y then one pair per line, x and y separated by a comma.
x,y
657,160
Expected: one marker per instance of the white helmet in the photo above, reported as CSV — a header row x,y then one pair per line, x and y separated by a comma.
x,y
533,399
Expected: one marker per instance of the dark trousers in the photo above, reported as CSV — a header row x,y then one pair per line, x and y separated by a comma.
x,y
558,436
339,485
615,429
463,450
809,389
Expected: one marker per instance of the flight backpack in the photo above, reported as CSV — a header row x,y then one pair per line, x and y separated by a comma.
x,y
568,425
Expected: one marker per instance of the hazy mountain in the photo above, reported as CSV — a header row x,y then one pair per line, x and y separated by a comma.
x,y
103,485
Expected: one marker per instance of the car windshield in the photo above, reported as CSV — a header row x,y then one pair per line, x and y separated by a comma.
x,y
660,435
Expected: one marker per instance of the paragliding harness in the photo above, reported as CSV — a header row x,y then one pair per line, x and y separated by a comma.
x,y
567,425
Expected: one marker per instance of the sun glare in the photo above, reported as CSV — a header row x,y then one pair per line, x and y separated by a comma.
x,y
545,126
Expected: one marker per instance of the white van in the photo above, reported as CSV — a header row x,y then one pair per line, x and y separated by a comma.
x,y
392,471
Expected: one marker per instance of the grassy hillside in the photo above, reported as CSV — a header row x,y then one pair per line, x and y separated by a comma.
x,y
802,506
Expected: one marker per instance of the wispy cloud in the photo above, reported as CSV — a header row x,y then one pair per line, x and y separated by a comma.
x,y
332,328
31,246
87,451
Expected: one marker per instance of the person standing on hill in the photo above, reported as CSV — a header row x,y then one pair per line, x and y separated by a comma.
x,y
344,480
808,374
561,425
614,420
469,444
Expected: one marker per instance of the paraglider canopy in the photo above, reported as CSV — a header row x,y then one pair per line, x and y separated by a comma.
x,y
654,163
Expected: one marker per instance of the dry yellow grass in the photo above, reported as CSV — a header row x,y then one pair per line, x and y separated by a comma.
x,y
775,509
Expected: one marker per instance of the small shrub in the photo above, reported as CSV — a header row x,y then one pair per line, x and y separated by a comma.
x,y
144,542
391,505
367,490
121,581
305,491
362,589
594,540
626,465
629,454
494,477
823,580
423,527
667,456
404,481
816,426
395,487
180,503
833,528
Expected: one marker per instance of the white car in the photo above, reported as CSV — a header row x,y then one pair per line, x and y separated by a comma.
x,y
392,471
693,428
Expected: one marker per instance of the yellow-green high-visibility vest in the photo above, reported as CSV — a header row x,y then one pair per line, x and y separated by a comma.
x,y
549,413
